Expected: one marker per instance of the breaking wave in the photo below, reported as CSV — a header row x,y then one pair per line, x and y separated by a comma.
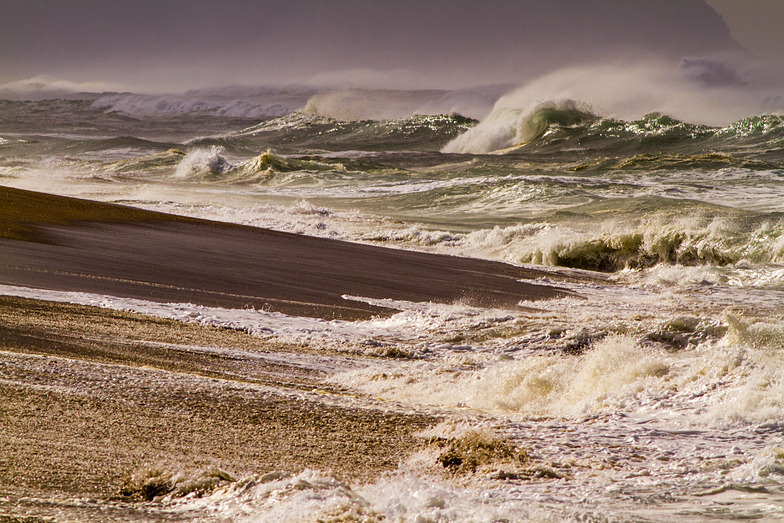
x,y
707,92
203,163
566,124
688,242
609,236
209,164
509,128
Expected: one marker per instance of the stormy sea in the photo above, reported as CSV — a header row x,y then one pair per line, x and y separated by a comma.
x,y
652,391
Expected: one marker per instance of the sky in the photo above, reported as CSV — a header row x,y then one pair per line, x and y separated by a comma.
x,y
174,45
755,24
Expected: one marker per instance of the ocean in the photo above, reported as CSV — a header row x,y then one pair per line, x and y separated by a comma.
x,y
654,393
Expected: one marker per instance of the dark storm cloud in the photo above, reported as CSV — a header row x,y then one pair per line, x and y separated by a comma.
x,y
188,43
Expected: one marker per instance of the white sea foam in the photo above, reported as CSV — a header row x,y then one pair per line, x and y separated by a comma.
x,y
767,465
402,497
716,384
609,375
411,328
203,162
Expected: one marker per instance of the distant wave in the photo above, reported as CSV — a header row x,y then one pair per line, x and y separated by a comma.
x,y
46,87
346,105
318,132
381,104
144,105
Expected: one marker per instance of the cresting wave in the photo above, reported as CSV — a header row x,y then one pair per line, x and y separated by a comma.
x,y
506,127
660,240
704,91
566,124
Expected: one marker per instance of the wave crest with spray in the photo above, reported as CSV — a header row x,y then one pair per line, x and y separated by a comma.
x,y
510,127
574,95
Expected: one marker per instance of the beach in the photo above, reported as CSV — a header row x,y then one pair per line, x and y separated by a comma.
x,y
92,396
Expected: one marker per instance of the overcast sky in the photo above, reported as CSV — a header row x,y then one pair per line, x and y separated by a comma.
x,y
179,44
755,24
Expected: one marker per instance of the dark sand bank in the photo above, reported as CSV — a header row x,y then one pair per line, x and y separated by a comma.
x,y
89,395
76,245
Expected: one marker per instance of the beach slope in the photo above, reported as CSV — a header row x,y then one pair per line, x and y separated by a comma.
x,y
69,244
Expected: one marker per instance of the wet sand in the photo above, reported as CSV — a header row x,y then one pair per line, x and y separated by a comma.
x,y
76,245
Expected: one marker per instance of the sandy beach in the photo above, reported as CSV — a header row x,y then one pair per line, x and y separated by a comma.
x,y
92,397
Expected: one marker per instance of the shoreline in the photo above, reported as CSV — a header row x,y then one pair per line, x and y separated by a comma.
x,y
94,396
68,244
91,396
